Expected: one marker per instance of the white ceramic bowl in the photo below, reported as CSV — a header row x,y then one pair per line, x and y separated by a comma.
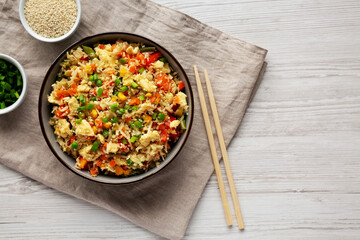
x,y
24,88
44,39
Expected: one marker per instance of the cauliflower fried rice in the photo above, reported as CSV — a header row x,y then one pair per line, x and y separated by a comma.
x,y
117,108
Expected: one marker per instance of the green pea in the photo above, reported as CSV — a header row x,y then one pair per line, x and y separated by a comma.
x,y
74,145
161,116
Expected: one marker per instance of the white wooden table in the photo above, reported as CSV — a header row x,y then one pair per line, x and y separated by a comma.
x,y
295,158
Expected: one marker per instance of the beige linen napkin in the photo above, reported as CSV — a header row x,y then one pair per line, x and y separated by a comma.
x,y
163,203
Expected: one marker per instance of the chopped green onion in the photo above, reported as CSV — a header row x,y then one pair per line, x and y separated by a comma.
x,y
129,162
141,70
99,83
74,145
105,133
134,84
81,115
124,141
124,88
120,111
148,49
122,60
17,95
161,116
88,106
138,124
2,105
132,125
133,139
82,99
105,120
117,82
114,120
162,59
78,121
116,93
142,97
127,107
99,92
183,124
95,146
89,51
135,108
114,107
154,116
93,98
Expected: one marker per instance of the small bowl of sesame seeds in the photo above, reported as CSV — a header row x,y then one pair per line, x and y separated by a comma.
x,y
50,20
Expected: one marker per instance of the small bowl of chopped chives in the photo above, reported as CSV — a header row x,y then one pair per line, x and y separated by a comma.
x,y
13,84
50,20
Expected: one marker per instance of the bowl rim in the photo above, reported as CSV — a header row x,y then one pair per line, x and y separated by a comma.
x,y
44,39
18,102
140,178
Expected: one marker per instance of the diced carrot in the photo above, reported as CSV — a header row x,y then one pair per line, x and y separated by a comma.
x,y
152,58
99,123
72,139
61,113
119,170
103,157
163,81
82,163
147,118
164,135
99,163
105,146
127,172
111,72
112,163
94,171
113,47
101,46
134,101
132,69
176,100
140,57
181,85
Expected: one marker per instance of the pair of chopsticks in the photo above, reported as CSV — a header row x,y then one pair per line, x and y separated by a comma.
x,y
222,147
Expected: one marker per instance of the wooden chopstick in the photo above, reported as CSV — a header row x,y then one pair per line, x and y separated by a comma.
x,y
213,148
224,152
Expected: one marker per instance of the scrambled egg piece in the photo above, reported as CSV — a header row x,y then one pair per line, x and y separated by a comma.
x,y
84,128
168,97
86,152
112,147
174,124
182,97
83,88
63,128
152,136
147,85
147,106
73,104
158,64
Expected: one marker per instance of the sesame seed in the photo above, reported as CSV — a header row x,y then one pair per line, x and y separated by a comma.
x,y
50,18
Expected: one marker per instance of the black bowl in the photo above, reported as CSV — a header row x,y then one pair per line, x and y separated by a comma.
x,y
45,108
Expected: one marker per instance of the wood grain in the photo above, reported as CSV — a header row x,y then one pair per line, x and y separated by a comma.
x,y
295,158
